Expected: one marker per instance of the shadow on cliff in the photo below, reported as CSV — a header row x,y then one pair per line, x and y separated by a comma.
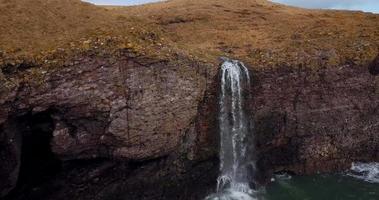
x,y
37,162
374,66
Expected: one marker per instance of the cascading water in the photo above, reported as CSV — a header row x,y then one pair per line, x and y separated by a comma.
x,y
236,165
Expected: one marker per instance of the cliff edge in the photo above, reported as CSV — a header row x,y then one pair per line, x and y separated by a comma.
x,y
118,100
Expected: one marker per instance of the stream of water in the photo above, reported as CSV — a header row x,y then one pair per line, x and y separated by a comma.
x,y
236,166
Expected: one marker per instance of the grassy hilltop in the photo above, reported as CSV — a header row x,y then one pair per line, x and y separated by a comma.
x,y
259,32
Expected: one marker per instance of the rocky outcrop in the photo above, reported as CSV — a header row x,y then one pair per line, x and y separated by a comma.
x,y
316,120
119,107
121,122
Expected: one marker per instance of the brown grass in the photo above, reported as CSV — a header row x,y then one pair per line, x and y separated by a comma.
x,y
257,31
42,24
264,33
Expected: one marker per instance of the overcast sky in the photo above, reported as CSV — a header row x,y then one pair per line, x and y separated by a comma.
x,y
365,5
121,2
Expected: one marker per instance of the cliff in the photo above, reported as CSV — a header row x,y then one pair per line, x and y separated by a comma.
x,y
118,100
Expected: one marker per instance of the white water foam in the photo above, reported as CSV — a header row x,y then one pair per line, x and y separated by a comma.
x,y
281,177
230,194
368,172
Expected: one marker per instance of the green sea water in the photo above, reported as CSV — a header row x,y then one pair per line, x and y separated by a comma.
x,y
321,187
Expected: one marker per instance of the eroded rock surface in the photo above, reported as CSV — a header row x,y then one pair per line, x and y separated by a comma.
x,y
121,107
316,120
125,123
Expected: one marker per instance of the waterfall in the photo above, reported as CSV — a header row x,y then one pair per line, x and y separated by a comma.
x,y
236,164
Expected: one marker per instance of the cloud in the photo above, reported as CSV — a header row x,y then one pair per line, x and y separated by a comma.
x,y
317,3
365,5
120,2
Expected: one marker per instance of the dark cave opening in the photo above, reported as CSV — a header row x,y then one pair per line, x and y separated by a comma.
x,y
37,159
374,71
38,162
374,67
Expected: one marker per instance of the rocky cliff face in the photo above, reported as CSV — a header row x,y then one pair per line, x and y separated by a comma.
x,y
120,123
316,120
120,107
114,103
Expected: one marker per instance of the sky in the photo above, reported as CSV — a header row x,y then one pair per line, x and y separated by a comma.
x,y
120,2
364,5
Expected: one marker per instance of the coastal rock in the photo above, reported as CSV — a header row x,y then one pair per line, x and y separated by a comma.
x,y
158,119
315,120
110,107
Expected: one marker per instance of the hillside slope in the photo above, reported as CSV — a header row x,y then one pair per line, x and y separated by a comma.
x,y
263,32
42,24
258,31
